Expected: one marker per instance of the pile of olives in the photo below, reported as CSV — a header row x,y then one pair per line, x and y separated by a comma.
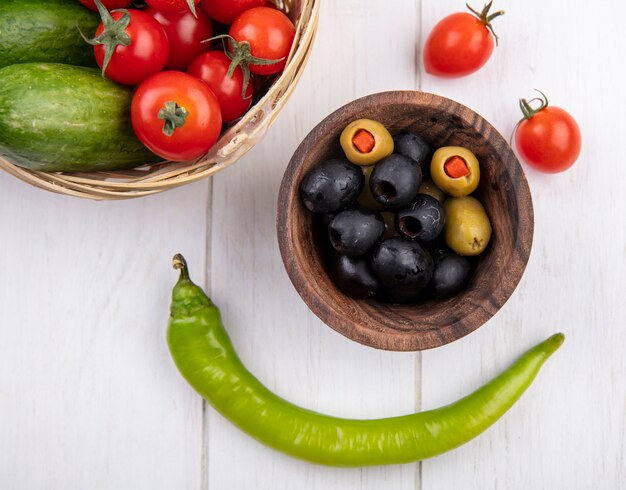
x,y
397,235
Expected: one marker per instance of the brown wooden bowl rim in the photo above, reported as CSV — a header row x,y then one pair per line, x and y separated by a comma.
x,y
398,340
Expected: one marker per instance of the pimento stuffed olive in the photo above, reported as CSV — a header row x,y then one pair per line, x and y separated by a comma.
x,y
455,170
365,142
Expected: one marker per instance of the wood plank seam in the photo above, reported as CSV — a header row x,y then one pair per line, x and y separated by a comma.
x,y
204,450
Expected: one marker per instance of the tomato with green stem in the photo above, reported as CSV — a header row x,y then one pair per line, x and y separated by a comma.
x,y
226,11
461,43
261,40
214,69
548,138
176,116
129,45
185,34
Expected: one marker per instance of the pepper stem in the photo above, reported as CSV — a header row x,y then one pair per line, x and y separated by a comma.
x,y
179,263
174,117
486,18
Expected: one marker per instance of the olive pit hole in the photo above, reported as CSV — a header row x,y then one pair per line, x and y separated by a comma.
x,y
410,226
386,189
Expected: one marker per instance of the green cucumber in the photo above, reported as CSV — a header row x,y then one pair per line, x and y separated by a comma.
x,y
61,118
46,30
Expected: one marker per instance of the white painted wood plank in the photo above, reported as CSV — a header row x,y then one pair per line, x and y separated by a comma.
x,y
569,430
89,397
279,339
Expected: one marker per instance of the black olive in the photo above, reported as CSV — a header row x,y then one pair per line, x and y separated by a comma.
x,y
331,186
325,219
415,147
402,263
354,277
438,248
450,276
395,181
355,231
422,219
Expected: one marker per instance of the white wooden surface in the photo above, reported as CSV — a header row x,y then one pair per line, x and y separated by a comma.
x,y
90,399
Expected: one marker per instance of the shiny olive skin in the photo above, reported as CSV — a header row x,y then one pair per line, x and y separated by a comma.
x,y
456,187
402,263
415,147
383,146
467,230
450,276
333,185
395,181
354,276
423,219
429,187
355,231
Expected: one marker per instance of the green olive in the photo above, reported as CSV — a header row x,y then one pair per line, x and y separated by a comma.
x,y
364,130
429,187
467,230
455,170
366,198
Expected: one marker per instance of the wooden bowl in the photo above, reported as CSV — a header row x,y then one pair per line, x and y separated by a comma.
x,y
503,190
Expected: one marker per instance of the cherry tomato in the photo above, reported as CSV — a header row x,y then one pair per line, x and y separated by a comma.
x,y
172,6
460,44
185,34
146,52
212,67
176,115
226,11
109,4
548,137
269,33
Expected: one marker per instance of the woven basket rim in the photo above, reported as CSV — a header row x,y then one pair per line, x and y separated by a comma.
x,y
233,143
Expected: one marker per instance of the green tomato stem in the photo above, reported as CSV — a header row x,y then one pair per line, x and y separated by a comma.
x,y
240,55
113,35
486,18
527,110
174,117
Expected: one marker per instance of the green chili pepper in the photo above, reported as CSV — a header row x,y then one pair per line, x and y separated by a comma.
x,y
205,356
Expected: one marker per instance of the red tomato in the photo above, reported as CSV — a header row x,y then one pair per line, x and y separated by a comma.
x,y
212,67
172,6
548,137
270,35
109,4
145,55
185,34
460,44
176,115
226,11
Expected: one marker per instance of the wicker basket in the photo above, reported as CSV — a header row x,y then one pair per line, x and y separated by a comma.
x,y
233,143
